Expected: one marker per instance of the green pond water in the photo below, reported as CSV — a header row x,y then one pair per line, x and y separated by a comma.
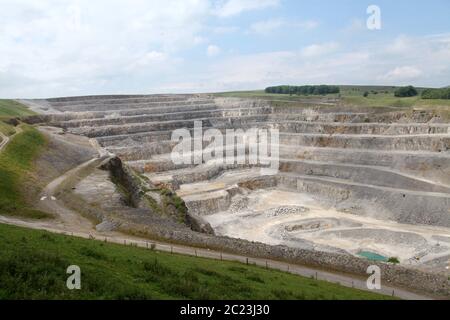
x,y
372,256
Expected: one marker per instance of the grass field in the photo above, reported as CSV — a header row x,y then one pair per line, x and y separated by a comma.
x,y
33,265
379,96
16,170
6,129
11,109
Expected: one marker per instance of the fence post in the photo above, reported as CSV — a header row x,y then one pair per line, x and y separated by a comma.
x,y
171,249
221,258
317,276
247,261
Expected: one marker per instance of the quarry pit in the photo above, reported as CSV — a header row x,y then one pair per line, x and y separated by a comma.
x,y
350,180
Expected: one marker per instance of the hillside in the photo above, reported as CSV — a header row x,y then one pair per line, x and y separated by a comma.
x,y
16,171
33,266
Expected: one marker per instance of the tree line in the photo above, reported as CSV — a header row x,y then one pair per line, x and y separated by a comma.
x,y
443,93
410,91
304,90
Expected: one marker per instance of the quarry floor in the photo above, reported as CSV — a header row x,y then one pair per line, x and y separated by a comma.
x,y
288,218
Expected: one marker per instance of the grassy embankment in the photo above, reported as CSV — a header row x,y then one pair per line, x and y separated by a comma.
x,y
11,109
16,163
16,170
33,266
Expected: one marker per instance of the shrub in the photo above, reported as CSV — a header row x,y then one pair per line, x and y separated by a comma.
x,y
408,91
393,260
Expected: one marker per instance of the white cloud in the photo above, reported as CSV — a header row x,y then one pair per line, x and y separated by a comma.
x,y
199,40
225,30
265,27
49,46
213,50
356,25
316,50
309,24
400,44
402,74
71,47
151,58
369,64
230,8
255,71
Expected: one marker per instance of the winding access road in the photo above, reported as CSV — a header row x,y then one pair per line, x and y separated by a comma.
x,y
4,141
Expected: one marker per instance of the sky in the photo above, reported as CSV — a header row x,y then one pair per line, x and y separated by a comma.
x,y
53,48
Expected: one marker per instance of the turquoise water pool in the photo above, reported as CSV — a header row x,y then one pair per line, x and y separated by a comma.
x,y
372,256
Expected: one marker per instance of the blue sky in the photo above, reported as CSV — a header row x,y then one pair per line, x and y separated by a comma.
x,y
76,47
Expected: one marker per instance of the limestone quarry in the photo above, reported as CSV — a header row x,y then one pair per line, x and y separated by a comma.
x,y
351,181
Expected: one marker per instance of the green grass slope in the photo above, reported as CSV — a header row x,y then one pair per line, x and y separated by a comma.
x,y
11,108
6,129
16,170
33,265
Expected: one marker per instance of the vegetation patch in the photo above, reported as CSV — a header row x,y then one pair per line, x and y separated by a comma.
x,y
12,109
303,90
357,96
16,169
394,260
408,91
33,265
443,93
6,129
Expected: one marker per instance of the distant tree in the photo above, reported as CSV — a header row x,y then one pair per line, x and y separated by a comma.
x,y
366,94
304,90
408,91
443,93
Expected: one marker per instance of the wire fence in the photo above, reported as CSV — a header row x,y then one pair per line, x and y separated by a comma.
x,y
344,280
